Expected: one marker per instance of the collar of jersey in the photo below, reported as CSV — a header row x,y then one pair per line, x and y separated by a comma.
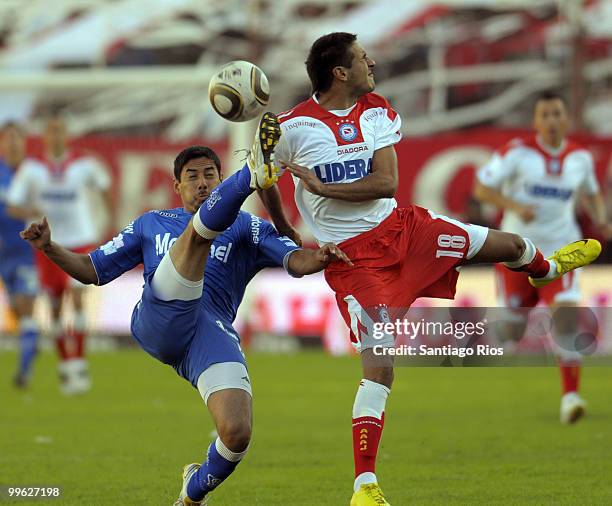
x,y
335,112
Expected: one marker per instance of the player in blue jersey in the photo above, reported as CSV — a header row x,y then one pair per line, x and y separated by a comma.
x,y
198,260
17,269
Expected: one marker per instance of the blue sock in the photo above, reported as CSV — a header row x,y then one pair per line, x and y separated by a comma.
x,y
27,340
213,472
221,208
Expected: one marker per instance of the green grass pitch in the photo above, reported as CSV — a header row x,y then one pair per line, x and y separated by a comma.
x,y
452,436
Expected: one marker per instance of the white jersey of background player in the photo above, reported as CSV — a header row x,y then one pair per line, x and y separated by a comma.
x,y
547,181
61,191
311,135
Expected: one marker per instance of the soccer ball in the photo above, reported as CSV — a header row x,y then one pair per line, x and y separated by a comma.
x,y
239,91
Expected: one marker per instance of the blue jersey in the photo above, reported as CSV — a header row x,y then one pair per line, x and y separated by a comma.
x,y
236,255
11,245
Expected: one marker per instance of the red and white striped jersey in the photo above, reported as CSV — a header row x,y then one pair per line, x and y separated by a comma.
x,y
338,146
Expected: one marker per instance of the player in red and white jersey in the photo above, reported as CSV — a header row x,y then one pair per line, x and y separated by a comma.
x,y
338,145
536,181
60,186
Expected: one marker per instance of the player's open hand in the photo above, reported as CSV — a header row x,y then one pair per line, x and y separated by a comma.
x,y
309,179
38,234
329,252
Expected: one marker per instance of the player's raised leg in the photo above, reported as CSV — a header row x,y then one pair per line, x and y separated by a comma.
x,y
258,172
520,254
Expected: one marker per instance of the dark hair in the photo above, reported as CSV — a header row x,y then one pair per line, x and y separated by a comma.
x,y
12,124
550,95
327,52
191,153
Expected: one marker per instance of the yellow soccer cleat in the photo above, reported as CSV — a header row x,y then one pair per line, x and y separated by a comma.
x,y
264,174
572,256
369,495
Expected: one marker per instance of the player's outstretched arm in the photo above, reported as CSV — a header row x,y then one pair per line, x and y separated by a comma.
x,y
488,195
309,261
380,184
78,266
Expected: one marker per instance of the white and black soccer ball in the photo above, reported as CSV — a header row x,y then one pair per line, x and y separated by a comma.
x,y
239,91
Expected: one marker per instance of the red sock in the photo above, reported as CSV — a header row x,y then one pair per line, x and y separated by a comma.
x,y
79,342
570,376
61,347
367,431
539,267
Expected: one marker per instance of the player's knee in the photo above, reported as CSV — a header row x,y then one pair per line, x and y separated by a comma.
x,y
516,246
382,375
235,434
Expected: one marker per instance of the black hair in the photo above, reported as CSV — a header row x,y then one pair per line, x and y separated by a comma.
x,y
550,95
12,124
191,153
327,52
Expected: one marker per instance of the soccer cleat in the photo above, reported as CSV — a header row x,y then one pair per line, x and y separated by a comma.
x,y
569,257
20,381
183,499
369,495
573,408
264,174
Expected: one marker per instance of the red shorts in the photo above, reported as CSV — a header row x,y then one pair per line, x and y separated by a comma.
x,y
515,291
413,253
53,280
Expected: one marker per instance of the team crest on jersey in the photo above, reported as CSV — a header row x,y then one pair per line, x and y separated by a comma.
x,y
347,131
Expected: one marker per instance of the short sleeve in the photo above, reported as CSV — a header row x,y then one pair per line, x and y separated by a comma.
x,y
98,175
388,128
497,170
589,185
19,188
121,254
273,249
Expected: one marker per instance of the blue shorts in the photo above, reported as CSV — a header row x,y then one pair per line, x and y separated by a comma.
x,y
19,275
184,334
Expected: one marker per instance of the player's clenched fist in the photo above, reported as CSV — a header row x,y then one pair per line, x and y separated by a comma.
x,y
38,234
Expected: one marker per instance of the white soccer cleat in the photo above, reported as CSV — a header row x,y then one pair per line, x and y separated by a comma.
x,y
183,499
573,408
264,174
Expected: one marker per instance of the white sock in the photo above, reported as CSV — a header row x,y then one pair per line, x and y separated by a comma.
x,y
370,399
202,229
364,479
228,454
527,256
